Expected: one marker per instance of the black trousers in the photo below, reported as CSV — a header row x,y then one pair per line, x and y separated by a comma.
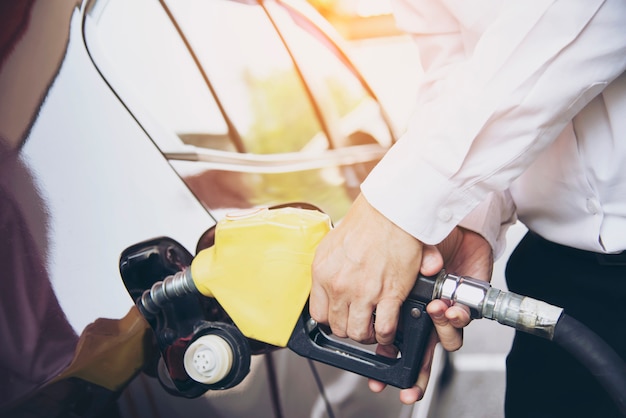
x,y
544,380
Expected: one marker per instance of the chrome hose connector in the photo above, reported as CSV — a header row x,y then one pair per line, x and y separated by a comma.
x,y
464,290
177,285
520,312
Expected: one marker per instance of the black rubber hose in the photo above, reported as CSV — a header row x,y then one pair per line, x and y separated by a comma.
x,y
596,355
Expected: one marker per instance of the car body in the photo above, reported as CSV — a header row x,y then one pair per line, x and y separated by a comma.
x,y
123,121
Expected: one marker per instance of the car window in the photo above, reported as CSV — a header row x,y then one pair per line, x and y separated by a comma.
x,y
352,115
248,68
139,40
217,75
252,74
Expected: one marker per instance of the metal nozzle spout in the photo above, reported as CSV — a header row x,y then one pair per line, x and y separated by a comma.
x,y
177,285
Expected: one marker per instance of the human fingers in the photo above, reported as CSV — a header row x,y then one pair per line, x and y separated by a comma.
x,y
318,303
386,323
416,392
359,275
390,351
458,316
432,260
450,336
376,386
338,312
327,300
413,394
360,322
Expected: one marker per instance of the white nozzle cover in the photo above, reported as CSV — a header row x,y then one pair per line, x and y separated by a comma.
x,y
208,359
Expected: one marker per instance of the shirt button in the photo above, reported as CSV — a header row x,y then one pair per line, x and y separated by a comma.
x,y
592,206
444,215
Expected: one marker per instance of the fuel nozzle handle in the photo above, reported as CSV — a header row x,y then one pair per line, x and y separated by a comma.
x,y
484,301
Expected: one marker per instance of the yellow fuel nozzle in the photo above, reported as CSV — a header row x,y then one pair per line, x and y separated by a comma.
x,y
259,269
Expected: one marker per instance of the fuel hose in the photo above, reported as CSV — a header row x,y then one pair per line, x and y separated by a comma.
x,y
596,355
538,318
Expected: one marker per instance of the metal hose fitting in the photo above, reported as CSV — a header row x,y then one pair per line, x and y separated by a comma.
x,y
177,285
520,312
464,290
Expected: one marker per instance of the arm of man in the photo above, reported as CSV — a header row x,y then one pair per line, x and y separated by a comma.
x,y
470,249
529,74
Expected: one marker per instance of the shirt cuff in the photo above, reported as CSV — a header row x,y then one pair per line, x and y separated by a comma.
x,y
491,219
427,209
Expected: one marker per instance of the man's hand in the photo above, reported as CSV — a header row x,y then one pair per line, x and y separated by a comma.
x,y
463,252
366,265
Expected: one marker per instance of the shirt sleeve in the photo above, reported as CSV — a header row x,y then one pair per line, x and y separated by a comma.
x,y
485,118
491,219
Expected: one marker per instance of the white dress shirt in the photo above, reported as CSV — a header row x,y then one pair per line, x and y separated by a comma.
x,y
521,112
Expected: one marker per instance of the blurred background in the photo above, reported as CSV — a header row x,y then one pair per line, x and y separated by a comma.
x,y
357,19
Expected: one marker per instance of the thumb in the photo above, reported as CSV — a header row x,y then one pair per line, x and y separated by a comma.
x,y
432,261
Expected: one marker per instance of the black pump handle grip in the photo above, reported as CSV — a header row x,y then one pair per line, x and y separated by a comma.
x,y
309,340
